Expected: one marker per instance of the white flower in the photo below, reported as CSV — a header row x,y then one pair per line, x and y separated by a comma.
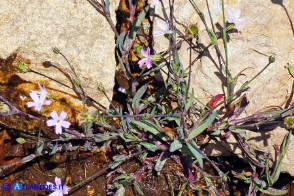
x,y
233,16
59,188
58,121
164,28
122,89
39,99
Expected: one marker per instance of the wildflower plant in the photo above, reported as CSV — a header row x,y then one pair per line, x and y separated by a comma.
x,y
164,122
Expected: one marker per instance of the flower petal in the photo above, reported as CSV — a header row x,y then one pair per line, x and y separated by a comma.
x,y
142,62
54,115
56,193
31,104
62,115
149,63
49,183
65,189
162,25
38,107
51,122
47,102
148,52
237,13
34,95
57,181
158,33
58,128
144,52
65,124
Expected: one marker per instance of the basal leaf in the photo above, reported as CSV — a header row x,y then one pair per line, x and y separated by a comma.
x,y
149,128
196,154
176,145
138,96
203,126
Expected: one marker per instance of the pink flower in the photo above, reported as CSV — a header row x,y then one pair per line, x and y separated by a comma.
x,y
234,17
58,121
39,99
164,28
147,60
59,188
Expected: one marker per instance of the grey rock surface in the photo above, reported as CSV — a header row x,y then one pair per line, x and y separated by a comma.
x,y
32,28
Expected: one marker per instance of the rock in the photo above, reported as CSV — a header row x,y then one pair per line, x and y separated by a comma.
x,y
33,28
267,32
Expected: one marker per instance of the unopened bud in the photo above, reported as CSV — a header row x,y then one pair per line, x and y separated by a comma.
x,y
271,59
77,81
22,67
56,50
156,58
230,26
192,30
100,87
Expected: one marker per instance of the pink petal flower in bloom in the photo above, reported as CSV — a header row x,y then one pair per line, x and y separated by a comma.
x,y
164,28
60,188
147,60
39,99
58,121
233,16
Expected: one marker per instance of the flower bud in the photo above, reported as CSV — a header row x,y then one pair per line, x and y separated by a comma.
x,y
156,58
271,59
192,31
56,50
100,87
21,140
289,122
22,67
77,81
230,26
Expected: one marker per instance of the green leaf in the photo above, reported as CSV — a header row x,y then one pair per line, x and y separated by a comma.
x,y
120,41
107,3
291,70
136,186
21,140
149,128
120,192
138,96
272,191
190,101
149,146
136,26
40,149
203,126
127,137
54,150
196,154
161,161
212,36
176,145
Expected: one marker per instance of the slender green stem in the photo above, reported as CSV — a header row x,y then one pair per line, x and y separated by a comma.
x,y
226,54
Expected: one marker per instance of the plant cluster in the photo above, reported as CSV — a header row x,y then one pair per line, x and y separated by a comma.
x,y
168,122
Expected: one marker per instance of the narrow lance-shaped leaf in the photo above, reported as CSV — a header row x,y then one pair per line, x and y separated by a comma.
x,y
176,145
138,96
190,101
150,129
203,126
196,154
138,22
